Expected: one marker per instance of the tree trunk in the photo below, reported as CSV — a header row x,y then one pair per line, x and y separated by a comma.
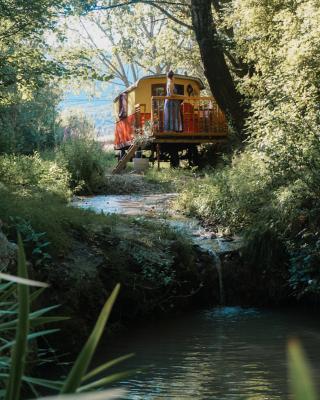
x,y
215,67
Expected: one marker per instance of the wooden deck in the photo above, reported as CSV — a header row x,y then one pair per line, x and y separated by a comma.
x,y
202,120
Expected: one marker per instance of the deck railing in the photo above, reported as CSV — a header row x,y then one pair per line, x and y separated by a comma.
x,y
201,116
140,117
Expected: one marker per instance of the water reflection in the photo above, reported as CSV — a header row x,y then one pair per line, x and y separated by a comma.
x,y
225,353
127,204
156,206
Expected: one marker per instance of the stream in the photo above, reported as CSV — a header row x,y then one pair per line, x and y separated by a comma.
x,y
223,353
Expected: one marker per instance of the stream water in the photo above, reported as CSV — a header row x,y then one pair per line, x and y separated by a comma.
x,y
222,353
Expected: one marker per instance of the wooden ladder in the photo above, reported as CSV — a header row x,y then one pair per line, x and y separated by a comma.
x,y
124,160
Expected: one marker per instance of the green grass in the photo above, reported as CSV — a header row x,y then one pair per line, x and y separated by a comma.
x,y
87,163
171,179
32,172
46,213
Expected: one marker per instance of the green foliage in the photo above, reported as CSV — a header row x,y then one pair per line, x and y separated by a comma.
x,y
20,347
20,324
18,318
278,221
86,161
300,375
44,212
35,241
304,264
32,172
79,369
271,189
148,44
171,179
29,125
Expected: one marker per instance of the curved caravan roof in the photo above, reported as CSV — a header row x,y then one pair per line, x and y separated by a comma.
x,y
157,76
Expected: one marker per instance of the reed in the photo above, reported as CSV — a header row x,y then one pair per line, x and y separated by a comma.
x,y
17,323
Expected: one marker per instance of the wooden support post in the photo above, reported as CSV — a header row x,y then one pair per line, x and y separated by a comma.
x,y
158,155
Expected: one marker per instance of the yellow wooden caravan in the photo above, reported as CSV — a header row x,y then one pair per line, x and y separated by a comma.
x,y
202,121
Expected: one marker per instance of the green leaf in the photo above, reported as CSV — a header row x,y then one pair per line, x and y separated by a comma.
x,y
103,395
107,365
21,280
302,386
106,380
7,292
36,294
80,367
47,320
31,336
55,385
20,347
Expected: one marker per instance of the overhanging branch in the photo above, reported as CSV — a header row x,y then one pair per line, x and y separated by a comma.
x,y
151,3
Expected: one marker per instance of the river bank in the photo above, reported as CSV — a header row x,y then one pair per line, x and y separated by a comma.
x,y
165,262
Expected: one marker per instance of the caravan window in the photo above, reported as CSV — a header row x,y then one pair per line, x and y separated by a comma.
x,y
158,89
179,89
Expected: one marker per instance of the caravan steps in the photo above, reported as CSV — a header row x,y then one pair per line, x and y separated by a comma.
x,y
124,160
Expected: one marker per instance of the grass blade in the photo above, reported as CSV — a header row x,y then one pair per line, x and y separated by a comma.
x,y
39,321
103,395
21,279
107,365
301,383
81,365
46,383
7,291
107,380
20,346
31,336
36,294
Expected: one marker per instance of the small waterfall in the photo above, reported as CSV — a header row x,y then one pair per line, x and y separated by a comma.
x,y
138,205
213,246
220,278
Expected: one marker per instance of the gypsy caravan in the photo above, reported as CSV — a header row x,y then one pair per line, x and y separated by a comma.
x,y
139,110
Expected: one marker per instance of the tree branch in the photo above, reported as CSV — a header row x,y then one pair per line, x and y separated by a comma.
x,y
151,3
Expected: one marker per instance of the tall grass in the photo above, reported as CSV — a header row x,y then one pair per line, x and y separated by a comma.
x,y
87,163
27,173
21,320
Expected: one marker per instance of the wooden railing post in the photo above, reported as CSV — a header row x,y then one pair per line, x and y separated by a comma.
x,y
203,117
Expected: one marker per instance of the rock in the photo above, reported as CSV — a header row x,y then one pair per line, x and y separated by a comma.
x,y
8,251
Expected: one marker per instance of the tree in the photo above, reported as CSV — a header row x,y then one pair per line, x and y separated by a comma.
x,y
198,16
216,68
29,125
149,44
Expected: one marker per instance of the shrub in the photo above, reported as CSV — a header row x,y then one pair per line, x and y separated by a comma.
x,y
32,172
86,161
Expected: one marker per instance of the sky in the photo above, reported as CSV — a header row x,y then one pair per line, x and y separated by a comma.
x,y
98,108
94,100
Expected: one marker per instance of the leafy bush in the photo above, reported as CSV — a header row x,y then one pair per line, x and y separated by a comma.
x,y
32,172
30,124
247,198
229,196
87,163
